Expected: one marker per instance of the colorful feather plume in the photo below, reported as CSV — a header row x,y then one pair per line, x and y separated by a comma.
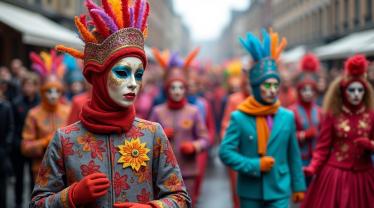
x,y
114,15
46,64
169,61
268,47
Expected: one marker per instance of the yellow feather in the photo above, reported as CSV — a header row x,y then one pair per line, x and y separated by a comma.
x,y
47,60
117,10
145,33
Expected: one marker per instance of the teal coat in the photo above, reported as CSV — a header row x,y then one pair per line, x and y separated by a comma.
x,y
239,151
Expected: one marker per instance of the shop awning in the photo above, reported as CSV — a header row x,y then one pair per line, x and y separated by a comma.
x,y
346,46
37,29
293,55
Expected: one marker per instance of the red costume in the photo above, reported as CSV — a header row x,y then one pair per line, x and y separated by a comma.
x,y
344,173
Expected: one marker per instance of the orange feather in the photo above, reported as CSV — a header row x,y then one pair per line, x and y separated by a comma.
x,y
86,35
156,53
71,51
190,58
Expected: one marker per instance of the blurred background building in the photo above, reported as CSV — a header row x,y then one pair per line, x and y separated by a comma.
x,y
27,25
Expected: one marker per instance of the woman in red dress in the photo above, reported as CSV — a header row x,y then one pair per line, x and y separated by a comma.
x,y
341,164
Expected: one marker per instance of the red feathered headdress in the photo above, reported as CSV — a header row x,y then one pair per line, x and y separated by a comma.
x,y
356,66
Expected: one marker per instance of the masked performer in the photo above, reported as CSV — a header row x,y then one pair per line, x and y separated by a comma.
x,y
307,113
182,121
110,158
343,168
260,142
44,119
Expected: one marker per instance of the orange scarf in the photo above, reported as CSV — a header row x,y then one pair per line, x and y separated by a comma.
x,y
252,107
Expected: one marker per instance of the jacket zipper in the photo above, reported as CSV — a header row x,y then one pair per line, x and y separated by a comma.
x,y
110,172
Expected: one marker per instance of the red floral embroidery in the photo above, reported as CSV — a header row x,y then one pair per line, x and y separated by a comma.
x,y
71,128
157,148
67,146
97,150
134,133
120,183
91,144
42,179
114,150
143,174
173,183
170,158
143,196
147,126
90,168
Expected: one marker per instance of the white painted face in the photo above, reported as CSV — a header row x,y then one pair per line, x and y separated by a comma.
x,y
177,91
53,95
307,93
269,90
124,81
355,93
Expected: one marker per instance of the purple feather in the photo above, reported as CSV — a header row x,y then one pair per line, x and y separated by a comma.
x,y
108,20
175,61
38,69
141,14
132,23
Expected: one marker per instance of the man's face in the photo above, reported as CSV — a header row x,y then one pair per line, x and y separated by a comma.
x,y
269,90
177,91
307,93
124,80
29,88
355,93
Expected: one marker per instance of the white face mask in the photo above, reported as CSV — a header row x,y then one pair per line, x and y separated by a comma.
x,y
307,93
269,90
124,81
177,91
355,93
53,95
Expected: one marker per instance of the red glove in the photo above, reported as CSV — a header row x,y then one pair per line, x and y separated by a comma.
x,y
89,189
131,205
309,171
365,143
298,197
310,133
187,148
169,132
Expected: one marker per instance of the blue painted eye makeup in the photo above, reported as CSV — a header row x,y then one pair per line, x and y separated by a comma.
x,y
139,74
122,72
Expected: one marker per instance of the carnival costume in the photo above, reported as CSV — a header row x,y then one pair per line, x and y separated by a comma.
x,y
44,119
260,142
182,121
110,158
307,113
342,164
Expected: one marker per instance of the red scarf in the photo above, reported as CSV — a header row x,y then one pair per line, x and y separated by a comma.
x,y
101,115
176,105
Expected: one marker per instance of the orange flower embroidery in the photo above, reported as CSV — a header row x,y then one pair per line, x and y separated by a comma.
x,y
42,179
186,124
173,183
133,154
147,126
143,175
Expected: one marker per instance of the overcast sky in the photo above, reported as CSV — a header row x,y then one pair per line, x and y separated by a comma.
x,y
207,18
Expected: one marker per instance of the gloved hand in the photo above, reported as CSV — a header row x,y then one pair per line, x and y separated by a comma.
x,y
298,197
311,133
89,189
131,205
309,171
188,148
365,143
266,163
169,132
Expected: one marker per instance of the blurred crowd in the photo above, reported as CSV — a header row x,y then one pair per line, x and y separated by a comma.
x,y
208,87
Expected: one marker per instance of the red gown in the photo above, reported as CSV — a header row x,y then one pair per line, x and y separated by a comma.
x,y
345,173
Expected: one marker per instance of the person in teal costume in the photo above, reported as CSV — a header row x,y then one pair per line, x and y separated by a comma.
x,y
260,142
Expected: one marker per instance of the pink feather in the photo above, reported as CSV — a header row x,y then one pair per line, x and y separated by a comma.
x,y
109,10
140,15
145,17
99,24
38,69
136,11
35,58
83,20
109,22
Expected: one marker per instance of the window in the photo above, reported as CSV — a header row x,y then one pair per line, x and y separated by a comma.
x,y
369,8
357,12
